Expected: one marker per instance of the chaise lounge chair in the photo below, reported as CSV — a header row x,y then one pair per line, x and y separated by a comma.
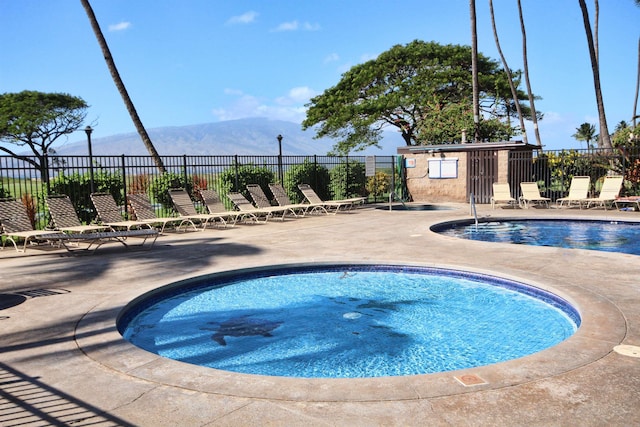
x,y
65,218
313,198
144,212
608,193
578,192
250,211
531,195
214,205
502,194
15,225
185,207
261,200
109,213
281,197
625,202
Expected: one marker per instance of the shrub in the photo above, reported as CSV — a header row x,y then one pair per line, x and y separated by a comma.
x,y
306,173
379,184
348,180
78,188
238,176
160,186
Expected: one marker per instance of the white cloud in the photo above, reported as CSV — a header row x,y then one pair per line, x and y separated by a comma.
x,y
332,57
245,18
295,25
289,107
120,26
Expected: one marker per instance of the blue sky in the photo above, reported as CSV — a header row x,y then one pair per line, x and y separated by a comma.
x,y
198,61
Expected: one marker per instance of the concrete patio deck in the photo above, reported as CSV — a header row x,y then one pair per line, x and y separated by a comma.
x,y
62,361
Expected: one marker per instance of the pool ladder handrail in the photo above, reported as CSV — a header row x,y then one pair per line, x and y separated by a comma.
x,y
472,201
391,196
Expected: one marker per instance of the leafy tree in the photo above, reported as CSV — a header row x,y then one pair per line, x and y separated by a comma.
x,y
586,132
400,89
237,177
36,120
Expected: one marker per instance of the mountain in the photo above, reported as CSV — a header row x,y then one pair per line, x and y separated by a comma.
x,y
252,136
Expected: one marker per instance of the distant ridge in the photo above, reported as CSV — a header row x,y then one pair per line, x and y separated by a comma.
x,y
251,136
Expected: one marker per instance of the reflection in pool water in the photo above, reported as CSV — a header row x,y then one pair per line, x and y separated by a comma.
x,y
348,321
609,236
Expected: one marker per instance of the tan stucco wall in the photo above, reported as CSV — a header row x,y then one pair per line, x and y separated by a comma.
x,y
424,189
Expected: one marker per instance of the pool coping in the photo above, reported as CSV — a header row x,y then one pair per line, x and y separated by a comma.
x,y
603,327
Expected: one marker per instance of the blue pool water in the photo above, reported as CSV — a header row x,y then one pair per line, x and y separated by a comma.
x,y
609,236
348,321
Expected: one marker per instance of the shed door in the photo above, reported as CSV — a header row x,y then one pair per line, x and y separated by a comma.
x,y
481,174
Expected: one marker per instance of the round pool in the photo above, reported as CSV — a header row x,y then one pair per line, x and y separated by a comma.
x,y
607,236
347,321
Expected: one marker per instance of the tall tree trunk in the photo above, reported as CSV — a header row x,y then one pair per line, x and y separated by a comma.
x,y
121,88
474,72
514,93
604,130
635,102
534,114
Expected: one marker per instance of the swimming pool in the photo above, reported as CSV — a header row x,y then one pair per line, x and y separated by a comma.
x,y
347,321
608,236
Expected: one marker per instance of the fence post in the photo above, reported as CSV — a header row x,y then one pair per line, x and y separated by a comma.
x,y
237,173
184,172
315,171
124,184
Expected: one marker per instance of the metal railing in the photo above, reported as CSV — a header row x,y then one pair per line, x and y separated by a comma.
x,y
332,177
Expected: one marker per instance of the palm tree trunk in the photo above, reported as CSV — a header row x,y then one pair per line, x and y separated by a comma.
x,y
635,102
121,88
604,130
534,114
474,72
514,93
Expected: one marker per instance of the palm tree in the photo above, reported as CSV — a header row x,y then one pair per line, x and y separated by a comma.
x,y
586,132
534,116
474,72
514,93
635,102
604,131
121,88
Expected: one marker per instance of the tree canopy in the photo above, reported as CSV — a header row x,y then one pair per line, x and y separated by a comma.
x,y
424,89
36,120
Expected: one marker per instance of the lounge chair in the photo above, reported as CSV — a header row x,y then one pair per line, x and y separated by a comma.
x,y
65,218
186,209
109,213
143,210
214,205
96,239
281,197
312,197
578,192
625,202
261,200
502,194
531,195
15,225
608,193
250,211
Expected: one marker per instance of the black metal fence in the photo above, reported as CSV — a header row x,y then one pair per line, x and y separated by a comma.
x,y
553,170
332,177
79,176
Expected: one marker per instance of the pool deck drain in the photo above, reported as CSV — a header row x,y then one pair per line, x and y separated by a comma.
x,y
470,380
627,350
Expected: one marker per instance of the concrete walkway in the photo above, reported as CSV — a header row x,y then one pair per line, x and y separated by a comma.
x,y
62,361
